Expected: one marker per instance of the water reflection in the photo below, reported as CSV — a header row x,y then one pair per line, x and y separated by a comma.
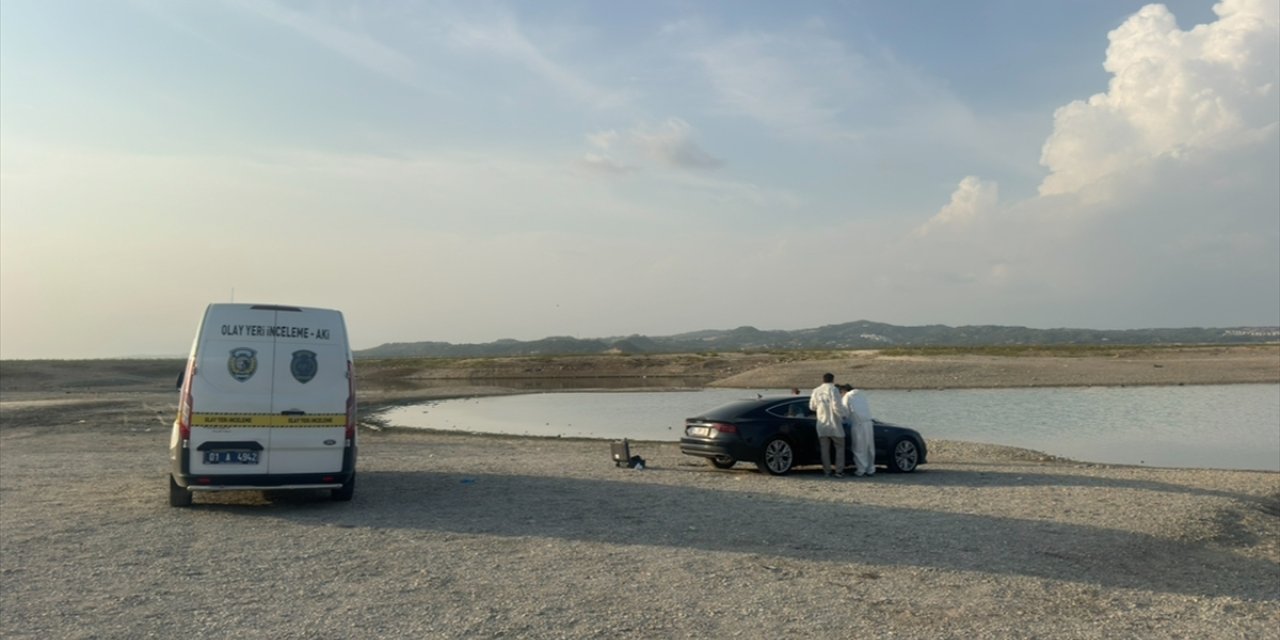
x,y
614,383
555,384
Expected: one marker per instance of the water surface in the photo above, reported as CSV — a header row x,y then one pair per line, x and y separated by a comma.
x,y
1210,426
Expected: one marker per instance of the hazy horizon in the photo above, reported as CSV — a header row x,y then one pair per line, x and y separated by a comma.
x,y
467,172
183,354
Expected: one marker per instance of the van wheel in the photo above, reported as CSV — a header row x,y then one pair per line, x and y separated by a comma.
x,y
178,496
346,491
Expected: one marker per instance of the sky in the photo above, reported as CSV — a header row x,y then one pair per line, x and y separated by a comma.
x,y
474,171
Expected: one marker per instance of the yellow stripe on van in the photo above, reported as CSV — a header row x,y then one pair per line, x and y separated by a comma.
x,y
314,420
267,420
231,420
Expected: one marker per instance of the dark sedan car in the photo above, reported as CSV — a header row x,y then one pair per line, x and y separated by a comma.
x,y
779,434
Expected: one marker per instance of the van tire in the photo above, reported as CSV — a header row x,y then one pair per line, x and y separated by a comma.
x,y
346,491
178,496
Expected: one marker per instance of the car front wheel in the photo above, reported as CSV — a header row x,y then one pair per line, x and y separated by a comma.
x,y
722,462
778,457
905,456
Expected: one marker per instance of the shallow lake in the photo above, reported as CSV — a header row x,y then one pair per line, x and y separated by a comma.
x,y
1212,426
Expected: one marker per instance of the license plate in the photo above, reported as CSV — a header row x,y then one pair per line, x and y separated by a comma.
x,y
231,457
699,432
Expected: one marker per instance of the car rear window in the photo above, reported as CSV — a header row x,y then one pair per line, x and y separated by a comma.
x,y
730,410
793,409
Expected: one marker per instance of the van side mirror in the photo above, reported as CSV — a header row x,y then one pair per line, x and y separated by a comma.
x,y
181,374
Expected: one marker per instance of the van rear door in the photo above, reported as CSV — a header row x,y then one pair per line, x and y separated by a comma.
x,y
311,389
231,391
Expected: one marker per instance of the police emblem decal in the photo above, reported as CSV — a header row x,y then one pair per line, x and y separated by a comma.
x,y
304,365
243,363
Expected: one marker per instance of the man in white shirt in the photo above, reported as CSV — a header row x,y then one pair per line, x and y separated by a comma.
x,y
825,402
863,432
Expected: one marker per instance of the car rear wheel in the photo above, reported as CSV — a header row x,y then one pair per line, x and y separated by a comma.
x,y
905,456
346,491
178,496
722,462
778,457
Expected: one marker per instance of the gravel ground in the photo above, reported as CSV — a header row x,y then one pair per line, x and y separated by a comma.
x,y
463,536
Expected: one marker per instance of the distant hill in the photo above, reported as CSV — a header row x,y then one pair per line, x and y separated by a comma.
x,y
862,334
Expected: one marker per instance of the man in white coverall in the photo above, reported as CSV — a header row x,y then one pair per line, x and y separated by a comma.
x,y
825,402
863,433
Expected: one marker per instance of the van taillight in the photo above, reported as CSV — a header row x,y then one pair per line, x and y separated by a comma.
x,y
351,419
184,406
351,405
184,419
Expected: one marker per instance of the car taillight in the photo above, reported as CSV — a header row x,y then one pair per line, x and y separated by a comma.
x,y
351,405
725,427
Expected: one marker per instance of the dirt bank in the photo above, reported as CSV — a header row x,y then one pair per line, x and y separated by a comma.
x,y
381,380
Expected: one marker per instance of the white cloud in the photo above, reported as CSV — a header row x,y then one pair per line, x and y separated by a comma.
x,y
599,159
669,145
1161,197
682,183
602,163
1173,93
971,199
603,140
672,144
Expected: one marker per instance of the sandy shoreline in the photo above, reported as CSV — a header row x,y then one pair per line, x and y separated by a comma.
x,y
460,536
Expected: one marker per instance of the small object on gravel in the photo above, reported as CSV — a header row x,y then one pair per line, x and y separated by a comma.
x,y
621,452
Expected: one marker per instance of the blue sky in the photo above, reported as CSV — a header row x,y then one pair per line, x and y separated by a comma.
x,y
472,171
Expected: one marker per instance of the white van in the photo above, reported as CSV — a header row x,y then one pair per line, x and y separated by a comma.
x,y
268,401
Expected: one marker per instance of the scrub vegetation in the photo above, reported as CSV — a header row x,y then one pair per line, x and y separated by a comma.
x,y
1074,350
894,368
861,334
